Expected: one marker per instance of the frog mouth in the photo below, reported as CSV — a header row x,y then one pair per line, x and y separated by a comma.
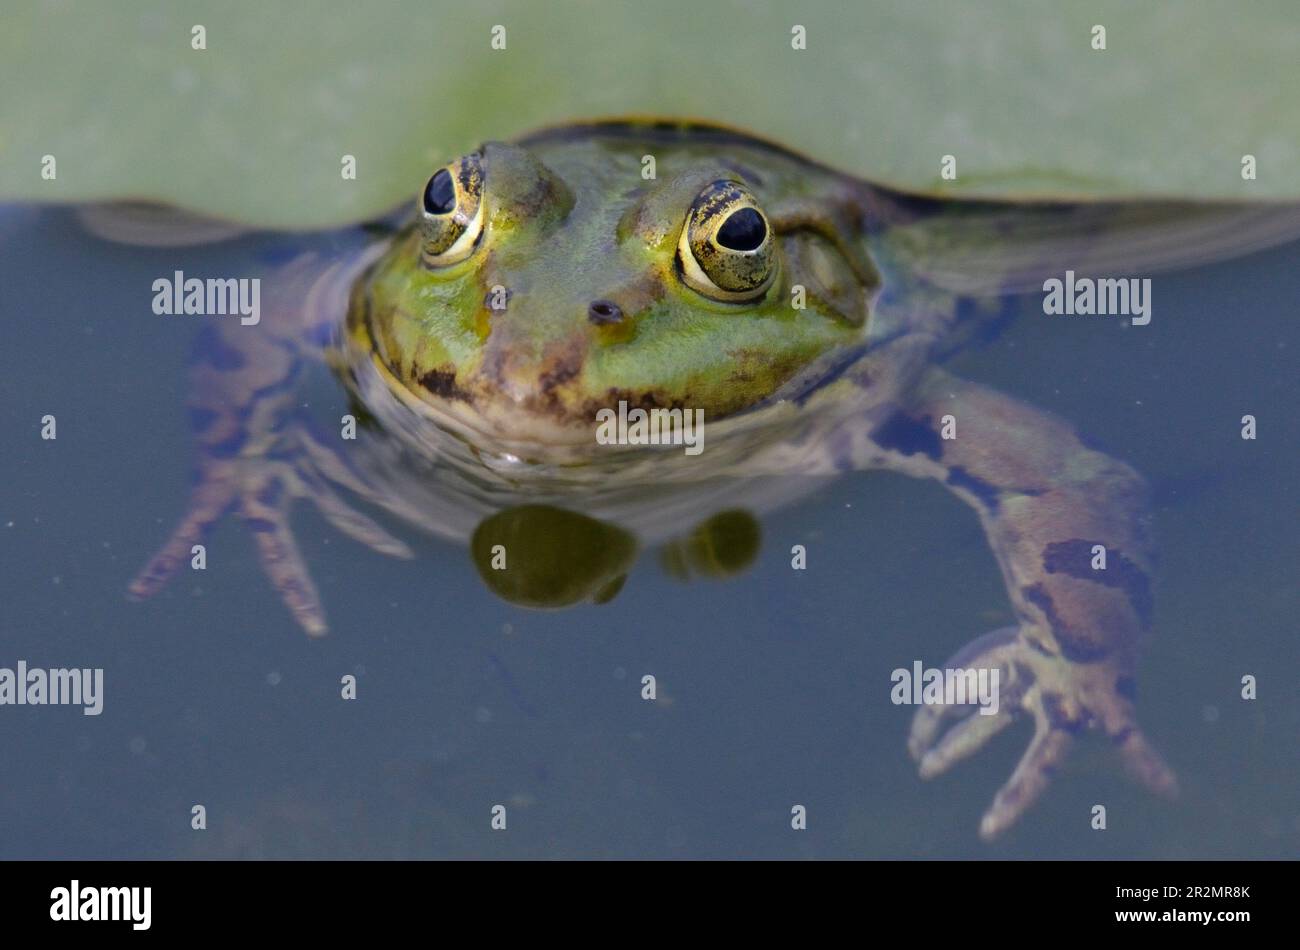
x,y
530,411
478,416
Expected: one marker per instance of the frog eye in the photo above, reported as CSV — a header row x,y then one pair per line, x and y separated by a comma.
x,y
451,210
726,250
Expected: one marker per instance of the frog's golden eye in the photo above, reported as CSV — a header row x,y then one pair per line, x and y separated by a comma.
x,y
452,212
727,251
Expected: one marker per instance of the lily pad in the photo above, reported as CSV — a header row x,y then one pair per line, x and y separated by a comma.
x,y
255,126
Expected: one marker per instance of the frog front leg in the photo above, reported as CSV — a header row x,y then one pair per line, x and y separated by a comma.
x,y
1067,526
257,452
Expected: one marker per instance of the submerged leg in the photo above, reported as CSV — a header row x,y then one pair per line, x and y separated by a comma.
x,y
265,510
209,502
255,452
1067,526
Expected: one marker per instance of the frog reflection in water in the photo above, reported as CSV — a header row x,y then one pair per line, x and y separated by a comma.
x,y
536,283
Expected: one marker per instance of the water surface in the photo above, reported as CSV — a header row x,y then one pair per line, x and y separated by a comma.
x,y
774,686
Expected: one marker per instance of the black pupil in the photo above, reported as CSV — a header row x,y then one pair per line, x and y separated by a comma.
x,y
743,231
440,196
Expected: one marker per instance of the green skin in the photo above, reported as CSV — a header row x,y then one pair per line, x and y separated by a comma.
x,y
497,406
571,221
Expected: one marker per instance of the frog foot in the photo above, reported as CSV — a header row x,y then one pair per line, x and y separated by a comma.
x,y
260,489
1062,697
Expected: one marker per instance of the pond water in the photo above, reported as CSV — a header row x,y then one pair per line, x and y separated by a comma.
x,y
773,686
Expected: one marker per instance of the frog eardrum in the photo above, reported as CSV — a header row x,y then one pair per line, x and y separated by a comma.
x,y
452,212
726,251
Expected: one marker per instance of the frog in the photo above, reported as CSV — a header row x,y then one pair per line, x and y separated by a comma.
x,y
669,265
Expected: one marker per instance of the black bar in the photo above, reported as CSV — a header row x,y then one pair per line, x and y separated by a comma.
x,y
1046,899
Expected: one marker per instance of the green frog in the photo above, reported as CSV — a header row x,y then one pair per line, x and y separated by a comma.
x,y
798,315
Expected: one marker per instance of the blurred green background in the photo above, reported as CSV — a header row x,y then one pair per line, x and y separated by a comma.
x,y
254,127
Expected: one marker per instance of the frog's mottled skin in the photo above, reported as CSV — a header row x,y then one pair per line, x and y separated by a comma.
x,y
482,408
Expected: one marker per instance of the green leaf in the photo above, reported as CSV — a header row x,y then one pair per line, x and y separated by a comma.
x,y
255,127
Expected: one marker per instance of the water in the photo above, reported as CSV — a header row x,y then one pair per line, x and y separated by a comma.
x,y
773,686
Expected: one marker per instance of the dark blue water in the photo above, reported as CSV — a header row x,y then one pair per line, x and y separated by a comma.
x,y
773,686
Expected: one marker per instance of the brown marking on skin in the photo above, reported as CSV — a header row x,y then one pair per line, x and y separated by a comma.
x,y
1073,558
562,363
1075,644
647,400
557,376
442,383
564,360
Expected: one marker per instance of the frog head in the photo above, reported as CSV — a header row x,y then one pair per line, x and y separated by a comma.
x,y
544,281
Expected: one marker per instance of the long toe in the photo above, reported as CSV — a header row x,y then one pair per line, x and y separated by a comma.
x,y
1046,751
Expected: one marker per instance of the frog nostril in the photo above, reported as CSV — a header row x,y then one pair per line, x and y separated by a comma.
x,y
604,311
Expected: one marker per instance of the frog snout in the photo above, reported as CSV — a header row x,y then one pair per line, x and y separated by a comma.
x,y
531,373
